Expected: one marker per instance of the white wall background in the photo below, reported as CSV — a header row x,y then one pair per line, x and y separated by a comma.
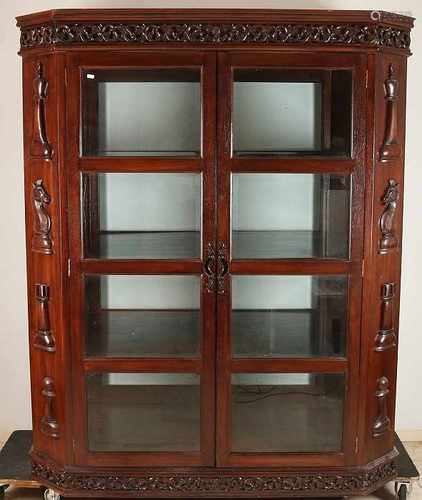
x,y
14,367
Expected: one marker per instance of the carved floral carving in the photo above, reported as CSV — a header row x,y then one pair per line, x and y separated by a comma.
x,y
268,485
44,338
391,149
49,424
390,199
382,422
279,34
386,337
40,147
41,238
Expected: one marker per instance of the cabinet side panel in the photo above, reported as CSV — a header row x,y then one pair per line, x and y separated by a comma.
x,y
384,209
45,245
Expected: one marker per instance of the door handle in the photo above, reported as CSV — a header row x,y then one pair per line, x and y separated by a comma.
x,y
209,268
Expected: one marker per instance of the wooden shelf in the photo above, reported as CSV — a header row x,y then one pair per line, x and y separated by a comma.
x,y
286,333
150,245
288,419
187,245
148,154
176,333
149,333
151,418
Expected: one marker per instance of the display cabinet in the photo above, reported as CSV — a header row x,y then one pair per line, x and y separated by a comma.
x,y
213,211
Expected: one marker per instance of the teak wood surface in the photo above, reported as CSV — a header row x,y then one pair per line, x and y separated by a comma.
x,y
57,46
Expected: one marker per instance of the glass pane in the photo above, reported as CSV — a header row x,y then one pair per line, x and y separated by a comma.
x,y
135,316
289,316
279,111
146,112
283,216
287,412
143,412
142,215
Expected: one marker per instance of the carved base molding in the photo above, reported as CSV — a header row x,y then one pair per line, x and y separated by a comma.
x,y
340,482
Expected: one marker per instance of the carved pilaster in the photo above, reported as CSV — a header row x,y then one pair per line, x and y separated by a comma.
x,y
40,147
44,338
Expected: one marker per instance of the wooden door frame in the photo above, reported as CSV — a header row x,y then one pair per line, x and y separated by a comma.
x,y
204,165
353,165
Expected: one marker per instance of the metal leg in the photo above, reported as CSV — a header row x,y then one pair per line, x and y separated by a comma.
x,y
51,495
403,489
3,488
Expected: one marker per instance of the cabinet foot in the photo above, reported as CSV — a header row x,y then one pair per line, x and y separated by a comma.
x,y
50,494
402,489
3,488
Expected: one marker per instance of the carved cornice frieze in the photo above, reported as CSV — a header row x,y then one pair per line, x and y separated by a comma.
x,y
269,485
58,33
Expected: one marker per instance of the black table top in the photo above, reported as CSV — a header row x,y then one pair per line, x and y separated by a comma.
x,y
15,463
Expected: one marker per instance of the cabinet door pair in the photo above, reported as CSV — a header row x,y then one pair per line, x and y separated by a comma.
x,y
216,205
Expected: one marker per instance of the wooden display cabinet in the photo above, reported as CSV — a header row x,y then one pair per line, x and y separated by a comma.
x,y
214,218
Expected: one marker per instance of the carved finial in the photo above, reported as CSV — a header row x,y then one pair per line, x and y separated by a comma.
x,y
49,425
391,84
382,421
41,237
40,146
390,198
44,338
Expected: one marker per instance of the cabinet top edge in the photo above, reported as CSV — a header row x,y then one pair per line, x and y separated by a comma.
x,y
216,15
288,27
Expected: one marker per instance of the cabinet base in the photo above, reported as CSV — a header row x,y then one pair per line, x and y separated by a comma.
x,y
227,483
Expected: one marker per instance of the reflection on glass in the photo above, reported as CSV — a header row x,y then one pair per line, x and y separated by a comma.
x,y
141,112
282,216
141,215
287,412
289,316
142,316
285,111
143,412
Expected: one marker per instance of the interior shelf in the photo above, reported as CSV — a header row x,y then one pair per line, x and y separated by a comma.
x,y
147,417
150,245
187,245
133,333
176,333
275,244
288,418
144,153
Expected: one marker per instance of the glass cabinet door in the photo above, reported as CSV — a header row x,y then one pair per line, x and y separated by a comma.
x,y
289,257
142,160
